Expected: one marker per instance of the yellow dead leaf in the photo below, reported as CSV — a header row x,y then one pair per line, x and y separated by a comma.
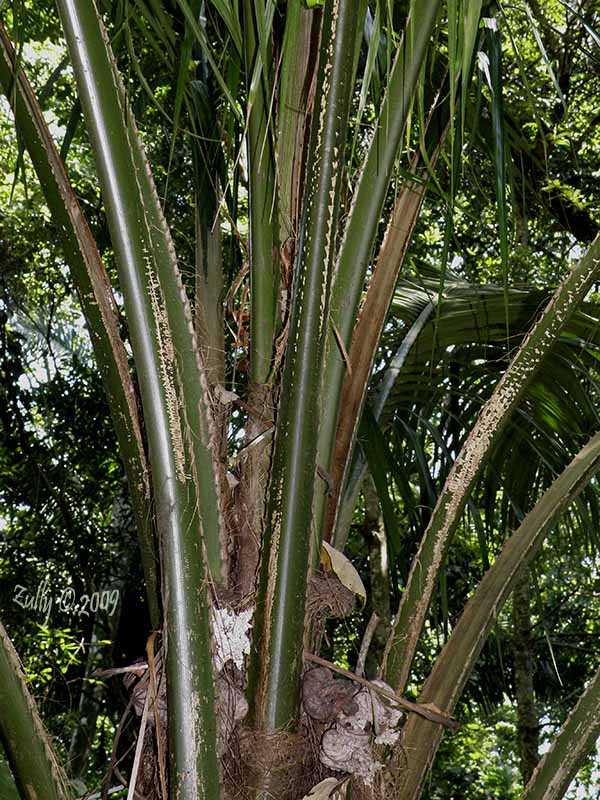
x,y
335,561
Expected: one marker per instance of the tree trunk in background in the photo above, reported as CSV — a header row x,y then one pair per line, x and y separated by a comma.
x,y
374,533
527,718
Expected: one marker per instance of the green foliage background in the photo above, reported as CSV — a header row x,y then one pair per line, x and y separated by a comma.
x,y
60,474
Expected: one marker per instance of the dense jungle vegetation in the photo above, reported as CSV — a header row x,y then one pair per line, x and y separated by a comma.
x,y
299,399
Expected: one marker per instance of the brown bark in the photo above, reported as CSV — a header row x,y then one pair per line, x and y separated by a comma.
x,y
527,717
251,492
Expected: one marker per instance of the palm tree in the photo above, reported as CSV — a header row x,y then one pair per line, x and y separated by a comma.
x,y
239,517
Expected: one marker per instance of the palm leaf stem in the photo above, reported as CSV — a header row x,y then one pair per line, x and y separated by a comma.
x,y
296,95
492,420
369,327
496,88
276,661
31,755
452,668
174,397
575,741
365,213
359,464
264,250
208,177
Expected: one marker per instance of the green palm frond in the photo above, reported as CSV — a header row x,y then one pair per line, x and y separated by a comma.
x,y
451,369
